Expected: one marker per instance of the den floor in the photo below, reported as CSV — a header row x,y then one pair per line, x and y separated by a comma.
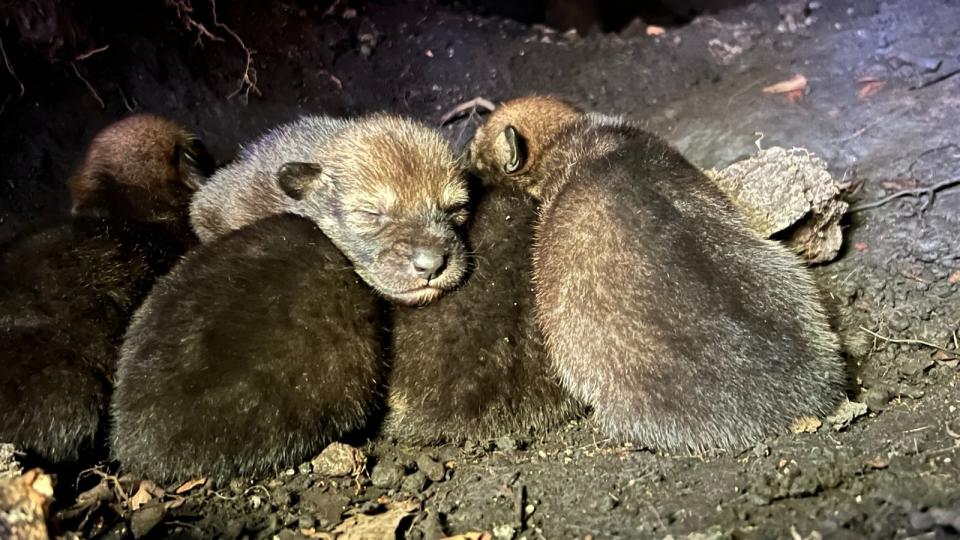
x,y
880,105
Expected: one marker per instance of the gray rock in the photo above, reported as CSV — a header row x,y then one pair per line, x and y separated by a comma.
x,y
387,475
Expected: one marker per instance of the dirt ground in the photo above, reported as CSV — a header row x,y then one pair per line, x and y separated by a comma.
x,y
880,106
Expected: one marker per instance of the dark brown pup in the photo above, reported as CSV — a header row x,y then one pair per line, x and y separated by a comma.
x,y
660,308
472,364
253,353
68,290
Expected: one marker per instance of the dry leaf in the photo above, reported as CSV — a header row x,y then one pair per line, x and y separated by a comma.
x,y
382,525
868,87
806,424
656,30
470,536
190,484
798,82
878,462
142,496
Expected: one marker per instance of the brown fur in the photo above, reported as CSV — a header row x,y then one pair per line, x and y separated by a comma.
x,y
473,364
253,353
143,167
661,309
68,290
385,189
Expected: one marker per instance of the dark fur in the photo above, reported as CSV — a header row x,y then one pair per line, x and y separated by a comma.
x,y
253,353
66,294
661,309
68,290
472,364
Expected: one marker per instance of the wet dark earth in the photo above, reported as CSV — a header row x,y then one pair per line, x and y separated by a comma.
x,y
880,105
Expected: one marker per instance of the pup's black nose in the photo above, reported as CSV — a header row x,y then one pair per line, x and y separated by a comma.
x,y
428,263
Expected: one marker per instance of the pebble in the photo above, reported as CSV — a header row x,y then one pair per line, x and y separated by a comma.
x,y
507,444
338,459
877,398
898,322
415,483
504,532
146,518
306,522
386,475
433,470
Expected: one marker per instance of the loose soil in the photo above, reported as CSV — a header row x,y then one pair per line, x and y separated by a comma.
x,y
881,107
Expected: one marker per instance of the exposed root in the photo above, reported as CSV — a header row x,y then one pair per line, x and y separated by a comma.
x,y
9,66
90,53
473,104
184,9
911,342
126,102
89,86
248,81
929,191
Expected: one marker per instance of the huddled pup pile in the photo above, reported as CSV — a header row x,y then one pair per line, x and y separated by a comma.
x,y
351,277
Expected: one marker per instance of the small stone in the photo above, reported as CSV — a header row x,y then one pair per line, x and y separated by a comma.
x,y
306,522
386,475
898,323
915,365
433,470
507,444
877,398
146,518
415,483
504,532
339,459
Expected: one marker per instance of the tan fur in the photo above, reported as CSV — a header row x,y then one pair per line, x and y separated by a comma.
x,y
660,307
379,164
535,114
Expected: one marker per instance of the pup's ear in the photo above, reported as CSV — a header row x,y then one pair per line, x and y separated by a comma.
x,y
297,179
516,150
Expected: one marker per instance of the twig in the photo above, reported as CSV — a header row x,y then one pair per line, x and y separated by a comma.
x,y
467,106
88,85
90,53
937,80
929,191
910,342
6,62
184,9
248,81
126,103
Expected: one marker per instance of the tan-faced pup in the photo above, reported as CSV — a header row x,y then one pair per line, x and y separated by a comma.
x,y
661,309
472,365
385,189
67,290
